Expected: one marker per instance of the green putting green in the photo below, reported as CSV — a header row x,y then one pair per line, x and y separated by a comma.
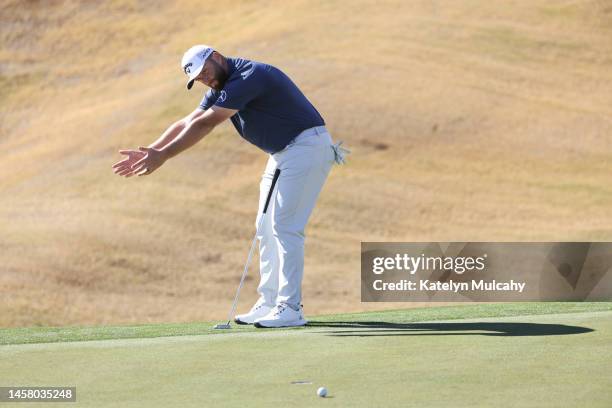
x,y
533,354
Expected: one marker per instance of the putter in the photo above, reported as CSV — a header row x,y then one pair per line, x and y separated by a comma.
x,y
246,266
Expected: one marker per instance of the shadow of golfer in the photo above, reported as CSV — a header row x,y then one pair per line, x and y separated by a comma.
x,y
364,329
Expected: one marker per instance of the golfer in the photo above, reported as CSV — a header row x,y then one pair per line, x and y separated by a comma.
x,y
269,111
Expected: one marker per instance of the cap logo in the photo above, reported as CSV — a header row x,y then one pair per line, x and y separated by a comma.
x,y
186,68
206,53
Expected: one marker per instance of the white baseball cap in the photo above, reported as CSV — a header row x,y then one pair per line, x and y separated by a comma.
x,y
193,61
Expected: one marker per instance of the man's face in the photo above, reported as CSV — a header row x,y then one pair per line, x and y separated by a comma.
x,y
213,74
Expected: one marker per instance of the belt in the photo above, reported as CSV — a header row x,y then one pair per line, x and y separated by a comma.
x,y
339,152
317,130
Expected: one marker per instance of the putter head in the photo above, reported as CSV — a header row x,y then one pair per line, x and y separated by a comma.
x,y
223,326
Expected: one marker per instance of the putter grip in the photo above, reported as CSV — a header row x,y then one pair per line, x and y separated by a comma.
x,y
276,175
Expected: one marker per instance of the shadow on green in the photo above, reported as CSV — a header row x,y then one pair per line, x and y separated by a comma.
x,y
443,329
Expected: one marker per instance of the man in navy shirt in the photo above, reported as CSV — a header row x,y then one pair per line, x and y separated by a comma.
x,y
269,111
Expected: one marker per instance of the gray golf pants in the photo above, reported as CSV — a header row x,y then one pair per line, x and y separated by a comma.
x,y
305,164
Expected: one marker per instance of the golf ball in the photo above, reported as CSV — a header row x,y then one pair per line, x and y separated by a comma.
x,y
322,392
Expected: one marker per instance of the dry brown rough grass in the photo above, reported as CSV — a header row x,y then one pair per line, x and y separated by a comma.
x,y
470,120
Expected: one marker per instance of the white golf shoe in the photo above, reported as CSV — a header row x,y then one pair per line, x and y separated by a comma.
x,y
259,309
281,316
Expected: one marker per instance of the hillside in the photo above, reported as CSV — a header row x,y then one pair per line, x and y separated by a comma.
x,y
475,121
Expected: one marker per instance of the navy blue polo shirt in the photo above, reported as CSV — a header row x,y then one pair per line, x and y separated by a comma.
x,y
272,111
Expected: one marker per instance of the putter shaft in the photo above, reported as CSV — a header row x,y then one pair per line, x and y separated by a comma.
x,y
246,265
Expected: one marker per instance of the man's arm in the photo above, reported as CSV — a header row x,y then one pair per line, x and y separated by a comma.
x,y
190,135
195,130
175,129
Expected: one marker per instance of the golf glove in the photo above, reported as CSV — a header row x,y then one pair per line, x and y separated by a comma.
x,y
340,153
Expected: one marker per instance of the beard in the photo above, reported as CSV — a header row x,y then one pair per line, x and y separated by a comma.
x,y
220,76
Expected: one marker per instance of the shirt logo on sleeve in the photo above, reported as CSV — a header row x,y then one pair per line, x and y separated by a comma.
x,y
249,71
222,97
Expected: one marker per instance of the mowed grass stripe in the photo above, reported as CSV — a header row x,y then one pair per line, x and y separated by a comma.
x,y
68,334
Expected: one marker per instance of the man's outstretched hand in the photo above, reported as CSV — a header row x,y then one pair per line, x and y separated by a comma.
x,y
141,162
